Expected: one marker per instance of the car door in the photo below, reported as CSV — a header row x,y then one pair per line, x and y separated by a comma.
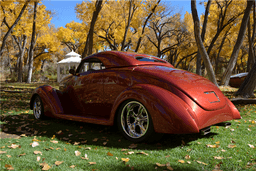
x,y
88,87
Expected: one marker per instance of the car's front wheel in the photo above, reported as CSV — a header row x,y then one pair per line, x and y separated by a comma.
x,y
38,108
134,121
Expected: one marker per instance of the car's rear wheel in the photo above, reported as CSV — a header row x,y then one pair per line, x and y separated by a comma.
x,y
38,108
134,121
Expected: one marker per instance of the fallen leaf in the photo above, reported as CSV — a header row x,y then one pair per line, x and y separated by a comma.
x,y
85,157
160,165
34,144
83,142
77,153
76,143
13,146
8,167
65,149
231,146
54,141
167,156
129,152
223,150
22,154
57,163
125,159
91,163
59,132
201,162
251,146
45,166
88,148
37,152
212,146
72,166
217,157
95,139
38,158
105,143
53,137
249,129
181,161
217,142
188,162
8,156
142,152
133,146
2,152
58,148
109,154
124,149
198,143
187,157
169,168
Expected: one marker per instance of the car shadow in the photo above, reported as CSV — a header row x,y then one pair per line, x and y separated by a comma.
x,y
78,133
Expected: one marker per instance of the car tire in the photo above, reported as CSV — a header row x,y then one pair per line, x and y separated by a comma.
x,y
38,108
134,122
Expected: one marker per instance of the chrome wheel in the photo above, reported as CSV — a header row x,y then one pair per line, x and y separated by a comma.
x,y
134,119
37,109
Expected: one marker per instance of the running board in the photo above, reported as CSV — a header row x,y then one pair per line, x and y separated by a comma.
x,y
224,124
205,131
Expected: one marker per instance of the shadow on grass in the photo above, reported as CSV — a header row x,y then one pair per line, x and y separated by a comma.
x,y
85,133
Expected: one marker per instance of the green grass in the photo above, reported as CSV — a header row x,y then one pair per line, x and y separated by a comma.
x,y
16,118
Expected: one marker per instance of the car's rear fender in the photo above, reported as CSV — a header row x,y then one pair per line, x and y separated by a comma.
x,y
50,99
169,113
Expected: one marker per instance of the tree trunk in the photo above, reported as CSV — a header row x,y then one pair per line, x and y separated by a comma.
x,y
31,49
20,64
200,44
198,61
247,88
240,38
89,42
13,25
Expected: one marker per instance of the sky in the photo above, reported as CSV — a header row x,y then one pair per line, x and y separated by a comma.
x,y
65,9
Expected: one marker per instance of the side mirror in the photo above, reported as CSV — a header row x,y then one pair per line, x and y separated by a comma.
x,y
72,71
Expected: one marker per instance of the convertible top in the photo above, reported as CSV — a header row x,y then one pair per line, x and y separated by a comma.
x,y
121,59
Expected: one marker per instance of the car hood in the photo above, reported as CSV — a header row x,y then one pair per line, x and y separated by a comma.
x,y
198,88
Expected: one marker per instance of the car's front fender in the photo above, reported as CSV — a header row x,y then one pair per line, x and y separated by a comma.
x,y
169,113
50,99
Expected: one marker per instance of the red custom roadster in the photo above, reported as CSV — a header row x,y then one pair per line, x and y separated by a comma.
x,y
142,94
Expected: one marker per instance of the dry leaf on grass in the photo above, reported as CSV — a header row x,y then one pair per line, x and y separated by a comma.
x,y
76,143
22,154
109,154
125,159
37,152
45,166
8,167
38,158
142,152
187,157
251,146
133,146
95,139
53,137
124,150
169,168
218,157
8,156
77,153
72,166
181,161
57,163
54,141
231,146
34,144
212,146
2,152
13,146
160,165
87,148
201,162
91,163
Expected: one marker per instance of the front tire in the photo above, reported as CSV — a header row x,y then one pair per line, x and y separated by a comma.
x,y
134,122
38,108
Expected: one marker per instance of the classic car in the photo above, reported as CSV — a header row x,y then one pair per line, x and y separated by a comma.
x,y
142,94
237,79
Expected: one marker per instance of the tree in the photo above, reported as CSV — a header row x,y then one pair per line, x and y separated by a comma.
x,y
249,84
89,41
32,44
200,45
232,62
13,25
198,62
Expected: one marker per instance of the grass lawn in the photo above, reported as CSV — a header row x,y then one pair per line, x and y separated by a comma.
x,y
68,145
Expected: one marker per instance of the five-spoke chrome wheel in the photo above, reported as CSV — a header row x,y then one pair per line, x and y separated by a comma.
x,y
38,108
134,119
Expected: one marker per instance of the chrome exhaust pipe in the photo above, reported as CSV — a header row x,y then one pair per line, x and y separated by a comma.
x,y
205,131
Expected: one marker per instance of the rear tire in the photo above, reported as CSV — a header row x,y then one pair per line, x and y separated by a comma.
x,y
135,123
38,108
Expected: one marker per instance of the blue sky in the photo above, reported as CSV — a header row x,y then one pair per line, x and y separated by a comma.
x,y
65,9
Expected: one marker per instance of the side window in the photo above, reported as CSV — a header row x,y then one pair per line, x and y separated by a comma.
x,y
91,65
